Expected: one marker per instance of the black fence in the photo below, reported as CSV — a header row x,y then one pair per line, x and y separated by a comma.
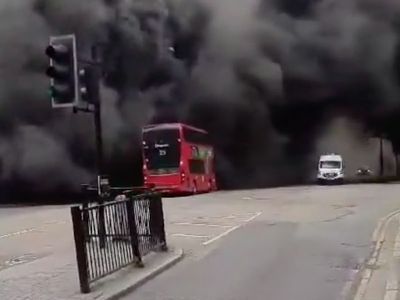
x,y
115,234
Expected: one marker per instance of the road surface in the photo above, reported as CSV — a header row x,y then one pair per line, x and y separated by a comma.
x,y
303,243
300,243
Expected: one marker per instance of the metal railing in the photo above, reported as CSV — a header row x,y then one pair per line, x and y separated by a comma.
x,y
112,235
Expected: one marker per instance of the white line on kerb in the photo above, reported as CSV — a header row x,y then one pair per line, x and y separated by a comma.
x,y
221,235
391,295
391,283
392,286
378,237
362,289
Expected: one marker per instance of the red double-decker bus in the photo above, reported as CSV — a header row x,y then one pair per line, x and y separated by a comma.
x,y
177,159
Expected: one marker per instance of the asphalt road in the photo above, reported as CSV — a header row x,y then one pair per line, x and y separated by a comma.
x,y
13,210
303,243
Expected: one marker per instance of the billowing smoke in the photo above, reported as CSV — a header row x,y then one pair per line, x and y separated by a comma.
x,y
356,146
264,77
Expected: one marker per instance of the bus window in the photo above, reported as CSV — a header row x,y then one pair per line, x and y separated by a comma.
x,y
196,166
162,150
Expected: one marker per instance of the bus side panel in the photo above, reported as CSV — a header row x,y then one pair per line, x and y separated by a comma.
x,y
187,178
200,182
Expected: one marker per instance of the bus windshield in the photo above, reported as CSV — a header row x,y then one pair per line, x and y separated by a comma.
x,y
162,150
330,164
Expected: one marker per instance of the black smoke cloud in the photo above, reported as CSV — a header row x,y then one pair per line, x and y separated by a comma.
x,y
262,76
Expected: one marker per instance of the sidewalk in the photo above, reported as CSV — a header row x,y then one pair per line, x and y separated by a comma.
x,y
56,277
38,262
380,279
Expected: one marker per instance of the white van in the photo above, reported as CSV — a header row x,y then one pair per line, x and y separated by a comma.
x,y
330,169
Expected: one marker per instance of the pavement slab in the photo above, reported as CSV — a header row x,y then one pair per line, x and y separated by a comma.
x,y
56,277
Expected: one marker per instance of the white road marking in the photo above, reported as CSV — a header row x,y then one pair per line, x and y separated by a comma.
x,y
37,229
230,217
231,229
201,224
190,235
253,217
16,233
221,235
55,222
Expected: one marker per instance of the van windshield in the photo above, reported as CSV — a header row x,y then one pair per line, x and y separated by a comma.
x,y
330,164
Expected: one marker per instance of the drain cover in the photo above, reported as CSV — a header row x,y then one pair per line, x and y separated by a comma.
x,y
17,261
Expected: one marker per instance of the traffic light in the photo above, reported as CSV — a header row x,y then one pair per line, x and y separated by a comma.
x,y
63,71
89,84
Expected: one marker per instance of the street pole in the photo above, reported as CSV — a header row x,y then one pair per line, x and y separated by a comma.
x,y
381,163
99,141
96,101
99,147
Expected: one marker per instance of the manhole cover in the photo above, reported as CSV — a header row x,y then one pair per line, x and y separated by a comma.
x,y
17,261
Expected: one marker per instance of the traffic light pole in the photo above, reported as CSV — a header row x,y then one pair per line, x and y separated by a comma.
x,y
99,138
99,150
95,100
97,119
93,97
381,163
